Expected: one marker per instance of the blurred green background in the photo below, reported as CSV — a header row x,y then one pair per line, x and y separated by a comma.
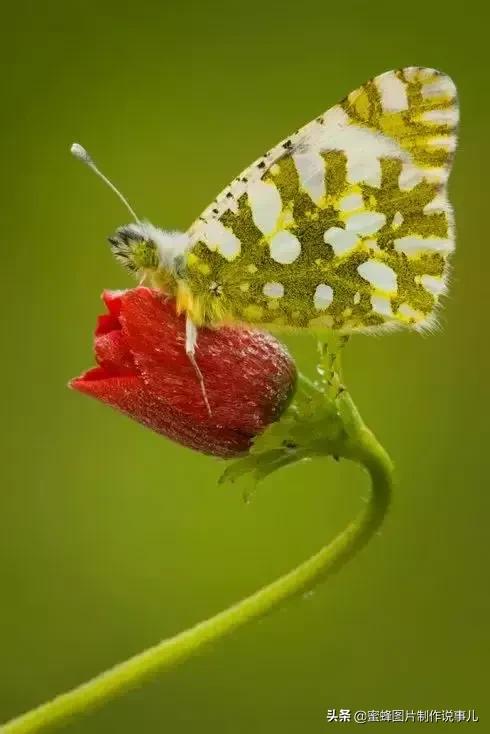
x,y
111,537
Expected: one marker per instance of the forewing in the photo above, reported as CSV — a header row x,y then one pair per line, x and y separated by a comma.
x,y
344,224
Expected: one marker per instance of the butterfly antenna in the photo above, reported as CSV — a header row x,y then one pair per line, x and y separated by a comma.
x,y
79,152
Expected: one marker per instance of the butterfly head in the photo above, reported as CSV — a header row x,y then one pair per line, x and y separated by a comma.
x,y
146,250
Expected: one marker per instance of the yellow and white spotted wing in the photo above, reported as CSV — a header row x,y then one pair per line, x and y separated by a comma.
x,y
344,225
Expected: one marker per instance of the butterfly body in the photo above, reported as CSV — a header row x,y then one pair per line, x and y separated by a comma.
x,y
344,225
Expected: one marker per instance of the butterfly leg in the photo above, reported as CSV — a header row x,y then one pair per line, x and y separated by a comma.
x,y
190,348
329,368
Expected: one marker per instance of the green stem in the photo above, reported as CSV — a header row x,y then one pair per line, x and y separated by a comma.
x,y
362,447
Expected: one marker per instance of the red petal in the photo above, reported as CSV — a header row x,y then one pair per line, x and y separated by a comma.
x,y
112,351
143,370
248,375
131,396
108,322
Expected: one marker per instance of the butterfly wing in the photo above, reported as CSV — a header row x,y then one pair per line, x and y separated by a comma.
x,y
345,224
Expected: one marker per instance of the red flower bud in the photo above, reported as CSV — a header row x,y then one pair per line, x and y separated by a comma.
x,y
143,371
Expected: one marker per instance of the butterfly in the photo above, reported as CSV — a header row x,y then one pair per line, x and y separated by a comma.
x,y
344,225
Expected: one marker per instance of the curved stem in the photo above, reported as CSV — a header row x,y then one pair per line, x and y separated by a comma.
x,y
361,447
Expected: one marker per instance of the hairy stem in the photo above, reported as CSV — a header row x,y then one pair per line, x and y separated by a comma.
x,y
361,447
